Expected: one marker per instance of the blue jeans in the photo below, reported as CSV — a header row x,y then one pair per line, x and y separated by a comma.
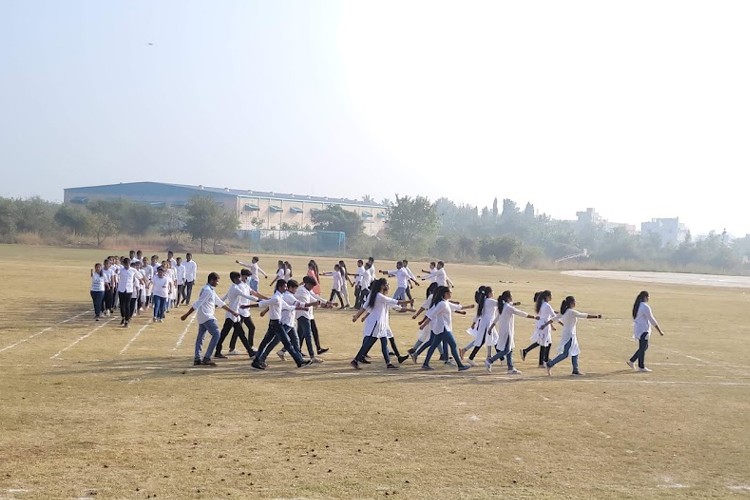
x,y
560,357
305,335
400,293
640,354
98,298
279,333
159,306
446,337
211,327
423,346
506,352
254,284
367,344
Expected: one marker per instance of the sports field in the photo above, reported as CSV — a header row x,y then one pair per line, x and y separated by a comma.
x,y
92,410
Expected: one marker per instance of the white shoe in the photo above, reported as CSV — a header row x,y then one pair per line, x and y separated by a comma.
x,y
631,364
281,355
470,362
644,369
513,371
488,365
233,352
154,319
450,362
317,360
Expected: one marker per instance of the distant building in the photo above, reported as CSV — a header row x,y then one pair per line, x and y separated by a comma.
x,y
251,207
590,217
671,230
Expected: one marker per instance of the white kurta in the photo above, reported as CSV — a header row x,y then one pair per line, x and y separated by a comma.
x,y
569,321
644,318
482,331
424,332
543,336
376,324
506,325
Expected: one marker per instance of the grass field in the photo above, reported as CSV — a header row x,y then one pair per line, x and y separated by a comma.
x,y
92,410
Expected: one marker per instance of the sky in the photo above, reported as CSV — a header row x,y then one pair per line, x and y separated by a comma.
x,y
639,109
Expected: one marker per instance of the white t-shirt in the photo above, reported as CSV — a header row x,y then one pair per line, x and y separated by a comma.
x,y
161,286
97,282
126,280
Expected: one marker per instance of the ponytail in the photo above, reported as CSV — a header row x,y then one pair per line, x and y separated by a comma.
x,y
375,288
566,304
641,296
505,297
540,299
439,295
479,297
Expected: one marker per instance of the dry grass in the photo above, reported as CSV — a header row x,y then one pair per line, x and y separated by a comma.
x,y
93,410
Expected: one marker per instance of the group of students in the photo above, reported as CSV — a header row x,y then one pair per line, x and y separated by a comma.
x,y
134,284
493,326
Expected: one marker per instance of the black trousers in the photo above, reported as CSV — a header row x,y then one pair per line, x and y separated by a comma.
x,y
237,327
125,310
109,299
248,322
180,293
188,291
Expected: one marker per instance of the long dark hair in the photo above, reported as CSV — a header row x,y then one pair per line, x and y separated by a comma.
x,y
640,298
479,296
375,288
431,289
505,297
567,304
539,298
278,284
439,295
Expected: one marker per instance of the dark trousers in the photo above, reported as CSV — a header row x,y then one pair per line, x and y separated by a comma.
x,y
305,335
98,298
248,322
640,354
446,337
109,299
543,352
125,302
237,327
180,293
336,293
277,332
357,297
316,336
367,344
188,291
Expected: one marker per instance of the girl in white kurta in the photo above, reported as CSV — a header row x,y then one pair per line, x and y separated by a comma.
x,y
542,337
377,322
440,319
568,316
480,329
643,319
505,322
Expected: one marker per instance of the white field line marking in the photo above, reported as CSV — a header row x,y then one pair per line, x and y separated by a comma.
x,y
134,337
57,355
43,331
184,332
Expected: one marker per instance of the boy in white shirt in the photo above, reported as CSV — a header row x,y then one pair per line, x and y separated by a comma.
x,y
191,273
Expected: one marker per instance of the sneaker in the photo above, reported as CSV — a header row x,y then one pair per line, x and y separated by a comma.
x,y
463,368
410,351
413,356
644,369
355,364
153,319
257,366
631,364
305,364
281,355
122,321
470,362
317,360
450,362
125,325
401,359
541,365
321,350
252,353
513,371
364,361
488,365
96,318
523,354
461,352
207,362
577,373
391,366
196,362
427,368
233,352
219,355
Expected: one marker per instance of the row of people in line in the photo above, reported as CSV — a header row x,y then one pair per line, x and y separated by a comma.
x,y
134,285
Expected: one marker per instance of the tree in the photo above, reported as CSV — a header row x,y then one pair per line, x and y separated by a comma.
x,y
413,223
172,225
7,220
494,208
101,226
74,217
207,220
35,215
335,218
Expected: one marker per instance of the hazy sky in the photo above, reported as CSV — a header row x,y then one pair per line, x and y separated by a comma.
x,y
640,109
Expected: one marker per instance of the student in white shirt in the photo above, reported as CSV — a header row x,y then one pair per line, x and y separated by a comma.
x,y
109,287
412,278
364,284
336,285
125,290
542,337
358,284
171,259
568,316
440,319
643,320
430,274
480,329
245,317
402,280
287,271
234,299
425,335
205,305
305,317
162,287
98,287
377,325
275,305
506,326
191,273
345,282
139,287
255,272
179,270
280,272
